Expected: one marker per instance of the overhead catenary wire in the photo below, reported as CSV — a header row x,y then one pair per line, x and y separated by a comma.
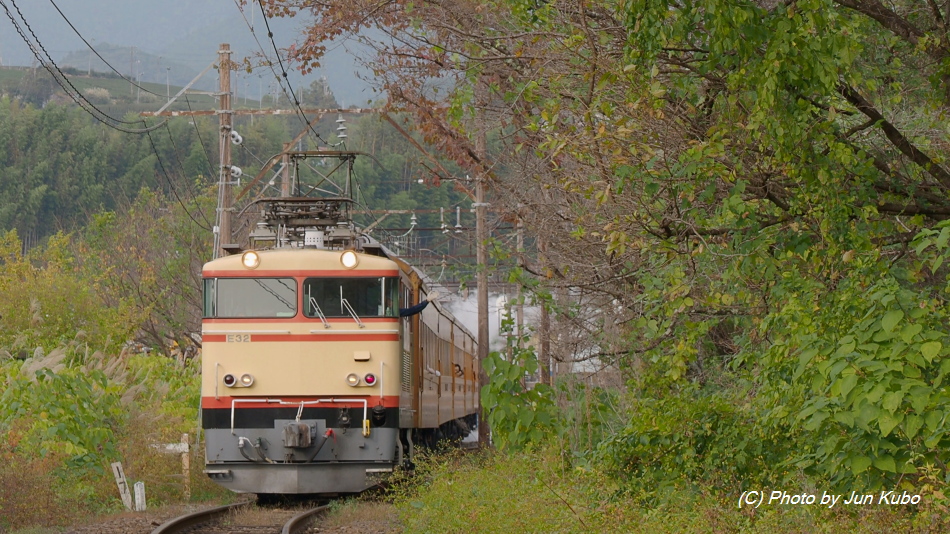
x,y
283,72
280,78
289,92
253,155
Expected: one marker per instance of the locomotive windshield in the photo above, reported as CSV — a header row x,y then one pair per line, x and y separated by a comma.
x,y
250,297
368,297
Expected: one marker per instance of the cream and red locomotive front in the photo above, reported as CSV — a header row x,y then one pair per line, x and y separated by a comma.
x,y
320,374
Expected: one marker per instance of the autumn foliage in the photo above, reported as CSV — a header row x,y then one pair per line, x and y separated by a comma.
x,y
742,203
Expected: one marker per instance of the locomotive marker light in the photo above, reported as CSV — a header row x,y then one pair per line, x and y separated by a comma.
x,y
349,259
353,379
247,380
251,259
370,379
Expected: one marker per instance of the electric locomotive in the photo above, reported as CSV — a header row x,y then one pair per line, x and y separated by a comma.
x,y
317,377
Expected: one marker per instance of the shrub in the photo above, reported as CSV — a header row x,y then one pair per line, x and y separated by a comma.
x,y
70,413
690,437
98,95
534,491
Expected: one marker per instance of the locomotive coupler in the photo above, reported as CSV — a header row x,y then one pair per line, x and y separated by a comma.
x,y
298,435
379,415
344,419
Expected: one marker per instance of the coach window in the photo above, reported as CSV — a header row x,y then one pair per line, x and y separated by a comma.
x,y
369,297
250,297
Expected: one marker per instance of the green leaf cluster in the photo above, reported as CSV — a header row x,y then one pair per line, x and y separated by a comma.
x,y
750,205
690,438
49,302
519,416
68,412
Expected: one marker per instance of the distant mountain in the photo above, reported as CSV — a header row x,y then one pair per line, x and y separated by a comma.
x,y
171,40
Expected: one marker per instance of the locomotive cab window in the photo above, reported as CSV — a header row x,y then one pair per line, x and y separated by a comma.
x,y
338,297
250,297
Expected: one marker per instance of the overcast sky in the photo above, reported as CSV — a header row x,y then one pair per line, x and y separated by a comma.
x,y
174,37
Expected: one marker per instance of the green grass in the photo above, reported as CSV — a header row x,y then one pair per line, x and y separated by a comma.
x,y
535,492
8,74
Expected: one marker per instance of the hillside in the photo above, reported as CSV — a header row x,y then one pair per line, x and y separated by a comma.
x,y
176,38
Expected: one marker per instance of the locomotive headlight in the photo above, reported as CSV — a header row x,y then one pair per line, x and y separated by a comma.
x,y
247,380
251,259
349,259
370,379
353,379
229,380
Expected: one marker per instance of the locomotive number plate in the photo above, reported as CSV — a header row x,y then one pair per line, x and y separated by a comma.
x,y
239,338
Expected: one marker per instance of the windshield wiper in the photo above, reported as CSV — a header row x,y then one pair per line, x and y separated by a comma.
x,y
349,309
352,312
316,308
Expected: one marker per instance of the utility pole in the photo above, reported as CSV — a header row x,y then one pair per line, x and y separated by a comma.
x,y
519,317
481,236
544,329
132,72
224,175
225,113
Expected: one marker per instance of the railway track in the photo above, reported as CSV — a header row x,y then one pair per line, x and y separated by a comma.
x,y
242,518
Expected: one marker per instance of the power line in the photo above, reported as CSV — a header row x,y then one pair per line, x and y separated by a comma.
x,y
78,97
292,96
171,186
184,172
204,150
96,52
282,78
82,99
71,91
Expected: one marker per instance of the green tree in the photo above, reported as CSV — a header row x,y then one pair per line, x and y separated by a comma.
x,y
151,257
724,194
48,302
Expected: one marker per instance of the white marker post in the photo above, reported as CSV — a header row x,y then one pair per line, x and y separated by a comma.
x,y
139,496
123,485
183,449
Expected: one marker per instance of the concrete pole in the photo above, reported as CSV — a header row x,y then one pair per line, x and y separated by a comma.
x,y
519,317
544,329
224,120
481,237
481,232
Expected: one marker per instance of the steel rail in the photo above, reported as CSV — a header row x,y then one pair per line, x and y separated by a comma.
x,y
299,523
202,516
